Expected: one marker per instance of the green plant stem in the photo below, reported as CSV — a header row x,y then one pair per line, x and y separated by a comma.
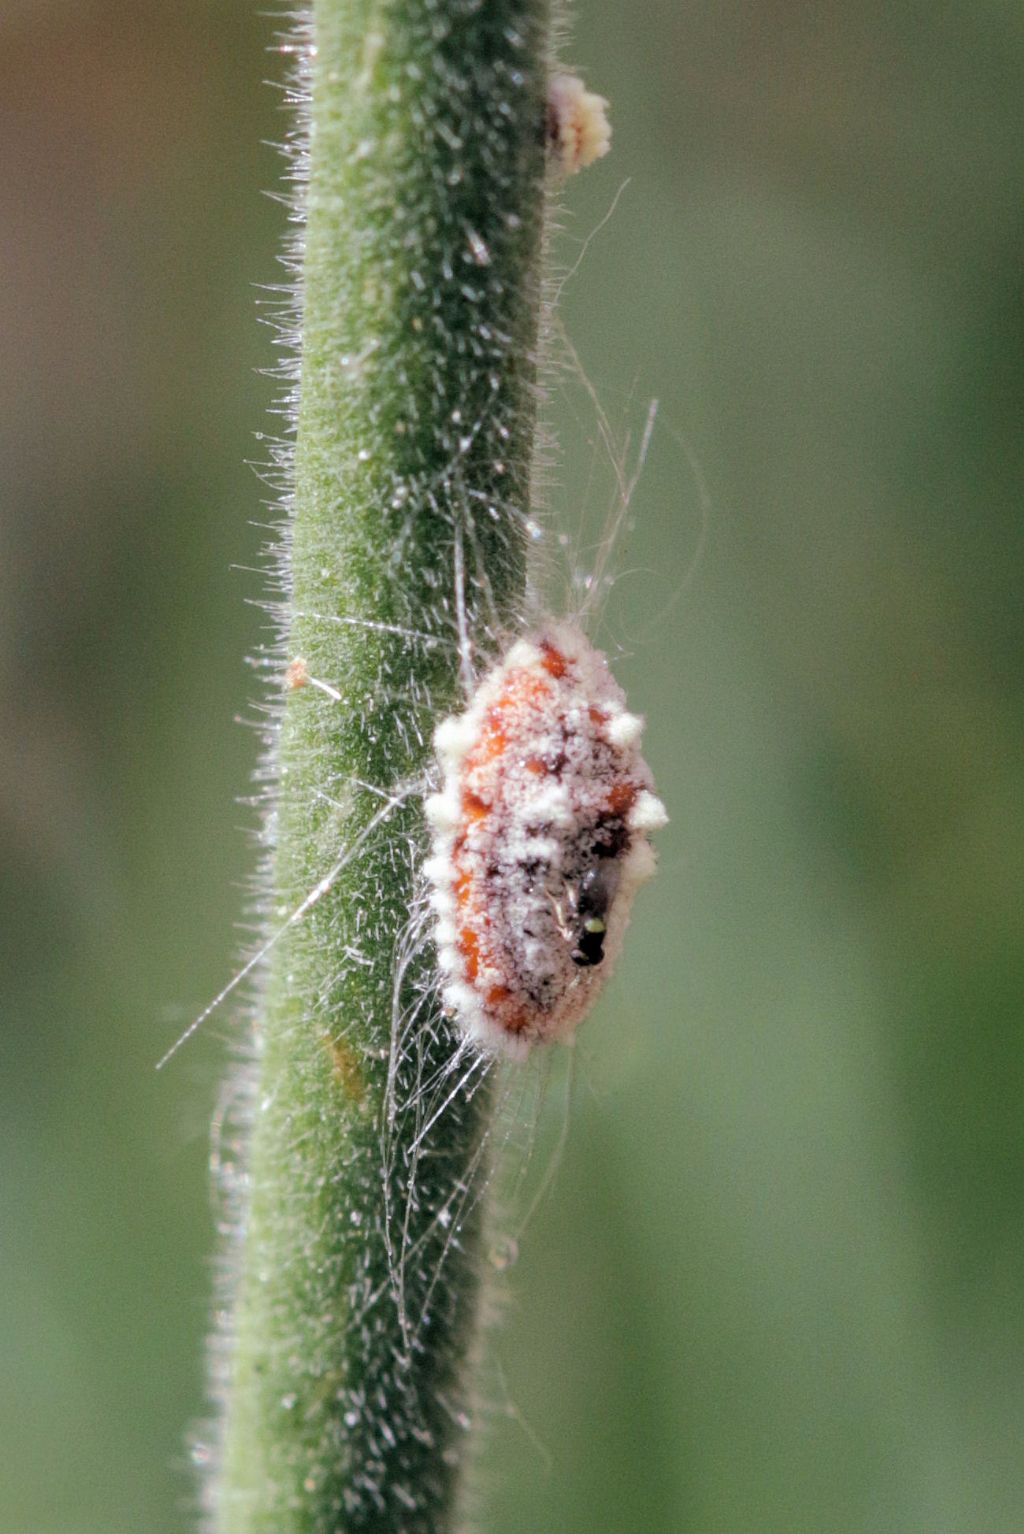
x,y
357,1291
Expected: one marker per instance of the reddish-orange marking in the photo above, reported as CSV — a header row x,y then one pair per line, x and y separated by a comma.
x,y
469,947
552,660
492,738
514,1023
620,797
523,690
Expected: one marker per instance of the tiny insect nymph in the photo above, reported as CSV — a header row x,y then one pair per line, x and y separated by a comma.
x,y
540,841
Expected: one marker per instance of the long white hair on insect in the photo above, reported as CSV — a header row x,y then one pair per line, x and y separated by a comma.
x,y
542,821
582,809
577,830
577,133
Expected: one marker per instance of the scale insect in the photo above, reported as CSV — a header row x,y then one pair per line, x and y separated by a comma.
x,y
540,841
540,809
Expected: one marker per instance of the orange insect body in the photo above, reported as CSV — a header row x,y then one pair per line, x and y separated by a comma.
x,y
540,841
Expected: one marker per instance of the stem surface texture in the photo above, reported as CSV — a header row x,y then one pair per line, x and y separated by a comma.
x,y
357,1284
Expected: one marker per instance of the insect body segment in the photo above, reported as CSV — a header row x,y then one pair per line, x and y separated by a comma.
x,y
540,841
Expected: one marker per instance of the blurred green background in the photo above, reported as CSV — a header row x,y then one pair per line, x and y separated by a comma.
x,y
779,1282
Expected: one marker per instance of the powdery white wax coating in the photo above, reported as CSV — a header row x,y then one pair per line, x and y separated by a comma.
x,y
543,785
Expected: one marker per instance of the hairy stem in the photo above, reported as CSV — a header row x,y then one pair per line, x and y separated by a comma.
x,y
358,1278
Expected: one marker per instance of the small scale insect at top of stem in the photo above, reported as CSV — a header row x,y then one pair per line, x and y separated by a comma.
x,y
578,130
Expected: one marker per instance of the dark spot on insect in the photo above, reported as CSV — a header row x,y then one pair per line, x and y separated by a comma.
x,y
589,949
582,913
611,837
